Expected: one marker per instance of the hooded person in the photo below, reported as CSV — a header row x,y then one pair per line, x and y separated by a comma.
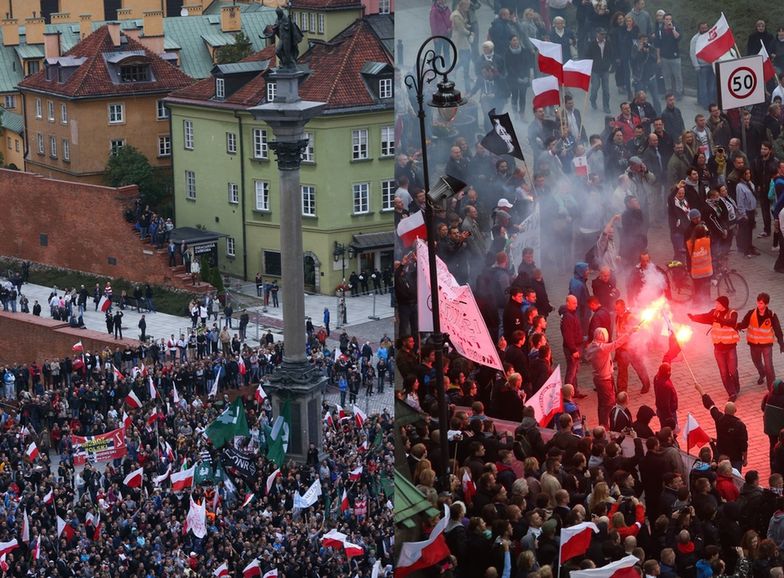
x,y
578,286
776,525
642,425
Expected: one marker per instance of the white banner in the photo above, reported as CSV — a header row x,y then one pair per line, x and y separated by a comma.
x,y
529,236
459,314
310,497
197,519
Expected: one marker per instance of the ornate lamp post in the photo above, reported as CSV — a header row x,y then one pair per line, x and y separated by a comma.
x,y
429,66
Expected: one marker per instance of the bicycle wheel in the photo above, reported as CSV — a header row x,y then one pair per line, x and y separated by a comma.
x,y
681,285
734,286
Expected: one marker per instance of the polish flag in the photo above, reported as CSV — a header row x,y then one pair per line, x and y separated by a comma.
x,y
221,571
248,499
133,400
134,479
344,505
36,548
271,479
333,539
623,568
241,363
153,391
252,569
767,66
49,498
352,550
547,401
411,228
157,480
341,411
25,527
577,73
3,564
6,547
77,346
693,434
363,448
716,42
169,452
64,528
32,451
126,420
271,574
153,417
360,417
355,474
550,58
328,420
104,304
175,394
97,531
545,91
260,395
426,553
118,376
580,165
576,539
182,479
469,487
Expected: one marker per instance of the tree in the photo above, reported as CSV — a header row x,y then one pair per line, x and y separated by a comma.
x,y
241,48
128,166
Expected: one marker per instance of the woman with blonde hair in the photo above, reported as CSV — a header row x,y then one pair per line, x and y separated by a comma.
x,y
600,495
422,465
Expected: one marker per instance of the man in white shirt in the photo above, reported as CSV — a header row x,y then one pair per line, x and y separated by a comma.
x,y
402,191
779,90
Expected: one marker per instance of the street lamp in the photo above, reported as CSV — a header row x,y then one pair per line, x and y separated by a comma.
x,y
339,254
446,99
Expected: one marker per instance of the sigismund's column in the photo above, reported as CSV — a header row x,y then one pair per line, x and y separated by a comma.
x,y
296,380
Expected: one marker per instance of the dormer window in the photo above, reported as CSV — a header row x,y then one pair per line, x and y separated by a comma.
x,y
272,90
220,89
385,88
135,72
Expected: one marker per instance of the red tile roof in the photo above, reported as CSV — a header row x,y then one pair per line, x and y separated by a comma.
x,y
92,78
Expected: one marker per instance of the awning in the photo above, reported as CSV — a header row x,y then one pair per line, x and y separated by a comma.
x,y
410,503
191,235
369,241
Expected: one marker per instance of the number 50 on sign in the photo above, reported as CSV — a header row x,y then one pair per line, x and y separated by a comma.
x,y
740,82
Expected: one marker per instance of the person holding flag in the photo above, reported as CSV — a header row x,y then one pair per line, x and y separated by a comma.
x,y
732,436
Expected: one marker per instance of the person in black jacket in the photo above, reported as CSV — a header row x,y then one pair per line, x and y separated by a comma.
x,y
732,437
602,53
514,319
666,397
600,318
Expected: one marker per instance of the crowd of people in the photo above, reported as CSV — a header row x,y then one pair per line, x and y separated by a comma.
x,y
713,184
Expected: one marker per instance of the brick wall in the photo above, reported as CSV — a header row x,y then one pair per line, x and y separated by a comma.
x,y
25,337
83,224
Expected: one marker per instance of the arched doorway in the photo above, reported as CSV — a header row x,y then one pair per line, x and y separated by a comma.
x,y
312,270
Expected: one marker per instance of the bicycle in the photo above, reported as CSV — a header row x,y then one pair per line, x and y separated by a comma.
x,y
681,283
731,283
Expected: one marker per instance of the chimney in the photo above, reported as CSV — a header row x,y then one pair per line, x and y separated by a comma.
x,y
230,19
52,44
124,13
194,9
61,18
153,23
85,25
114,32
10,32
34,30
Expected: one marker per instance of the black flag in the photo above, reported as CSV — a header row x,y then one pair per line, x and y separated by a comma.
x,y
502,140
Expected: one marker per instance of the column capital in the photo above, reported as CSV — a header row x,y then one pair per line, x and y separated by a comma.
x,y
289,153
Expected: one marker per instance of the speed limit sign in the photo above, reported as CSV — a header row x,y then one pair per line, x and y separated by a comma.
x,y
740,82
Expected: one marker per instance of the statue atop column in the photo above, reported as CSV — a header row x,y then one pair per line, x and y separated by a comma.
x,y
289,36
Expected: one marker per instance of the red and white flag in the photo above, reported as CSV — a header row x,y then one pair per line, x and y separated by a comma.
x,y
716,42
344,505
157,480
25,527
334,539
547,401
153,417
550,58
252,569
7,547
37,548
182,479
118,375
360,417
328,419
126,420
577,73
411,228
341,412
623,568
77,346
469,487
767,65
426,553
134,479
580,165
64,527
693,434
3,564
133,400
175,394
271,479
241,363
49,498
104,304
153,391
355,474
545,92
364,447
352,550
248,499
221,571
576,539
260,395
271,574
32,451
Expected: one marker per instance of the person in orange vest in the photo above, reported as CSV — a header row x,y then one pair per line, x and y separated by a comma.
x,y
762,328
700,261
723,322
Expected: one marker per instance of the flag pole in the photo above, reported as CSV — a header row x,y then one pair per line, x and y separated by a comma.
x,y
579,134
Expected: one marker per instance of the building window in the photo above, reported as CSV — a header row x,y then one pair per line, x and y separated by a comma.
x,y
33,66
50,111
387,141
272,263
38,110
66,150
384,6
63,113
164,146
190,185
9,101
230,246
308,155
308,201
361,195
321,23
260,146
385,88
234,193
304,25
161,112
388,194
262,195
116,113
53,147
115,146
272,91
359,144
231,143
138,72
39,138
187,131
220,88
312,21
16,145
10,144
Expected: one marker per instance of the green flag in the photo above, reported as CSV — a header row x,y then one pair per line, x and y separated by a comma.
x,y
203,473
230,423
278,440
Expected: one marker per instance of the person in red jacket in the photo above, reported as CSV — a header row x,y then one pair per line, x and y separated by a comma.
x,y
618,523
725,484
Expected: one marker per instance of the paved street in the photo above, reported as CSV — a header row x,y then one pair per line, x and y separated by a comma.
x,y
412,28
